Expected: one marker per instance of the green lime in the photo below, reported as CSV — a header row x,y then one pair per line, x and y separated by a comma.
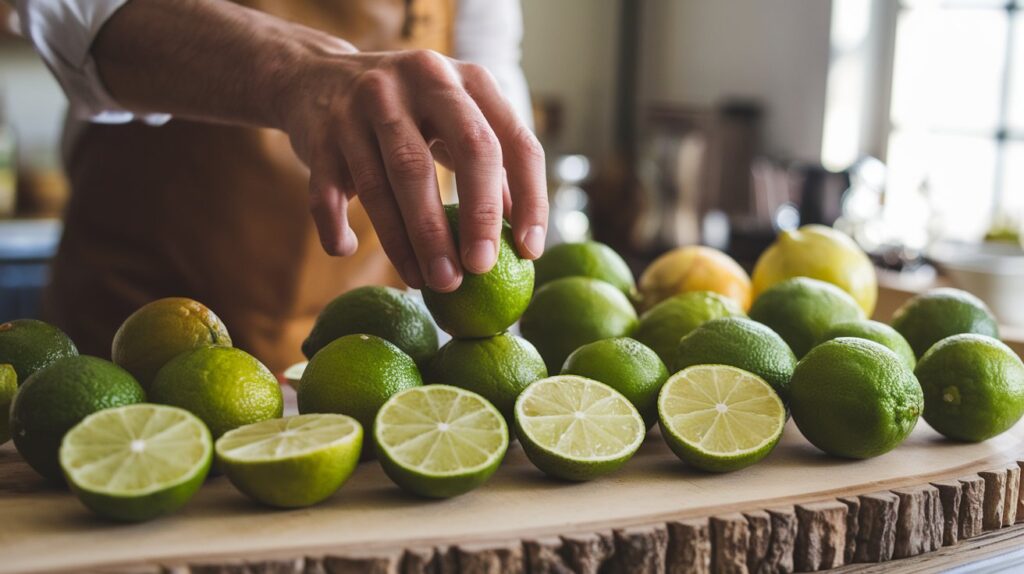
x,y
662,326
801,310
973,387
224,386
161,330
930,317
57,398
355,375
874,331
586,259
291,462
741,343
382,311
137,462
626,365
568,313
487,304
719,418
29,345
498,368
576,428
854,398
439,441
8,386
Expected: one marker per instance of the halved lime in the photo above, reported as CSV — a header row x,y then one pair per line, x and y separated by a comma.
x,y
719,418
577,428
291,462
439,441
136,462
293,374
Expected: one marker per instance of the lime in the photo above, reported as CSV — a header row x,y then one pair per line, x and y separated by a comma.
x,y
570,312
694,268
8,386
29,345
225,387
822,253
627,366
741,343
439,441
586,259
973,387
498,368
487,304
382,311
874,331
57,398
576,428
854,398
355,375
719,418
136,462
162,330
662,326
930,317
801,310
291,462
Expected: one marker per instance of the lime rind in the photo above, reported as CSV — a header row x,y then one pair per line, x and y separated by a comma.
x,y
287,438
576,428
720,418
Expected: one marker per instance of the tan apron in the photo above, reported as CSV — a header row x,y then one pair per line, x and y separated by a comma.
x,y
219,213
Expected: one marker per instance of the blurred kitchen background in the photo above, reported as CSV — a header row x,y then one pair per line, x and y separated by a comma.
x,y
671,122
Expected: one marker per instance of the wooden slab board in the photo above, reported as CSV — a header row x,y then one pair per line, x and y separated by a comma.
x,y
798,507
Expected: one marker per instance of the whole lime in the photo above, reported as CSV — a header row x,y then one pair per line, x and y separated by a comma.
x,y
58,397
570,312
874,331
586,259
930,317
973,387
486,304
29,345
161,330
662,326
626,365
741,343
382,311
355,375
801,310
497,368
854,398
8,386
223,386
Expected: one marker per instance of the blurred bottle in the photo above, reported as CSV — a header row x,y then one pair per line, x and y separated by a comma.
x,y
8,164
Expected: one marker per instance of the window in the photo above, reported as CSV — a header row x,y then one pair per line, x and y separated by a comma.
x,y
956,138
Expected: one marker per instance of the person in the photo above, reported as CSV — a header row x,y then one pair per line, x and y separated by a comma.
x,y
216,128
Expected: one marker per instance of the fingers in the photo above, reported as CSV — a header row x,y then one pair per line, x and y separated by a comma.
x,y
523,158
328,203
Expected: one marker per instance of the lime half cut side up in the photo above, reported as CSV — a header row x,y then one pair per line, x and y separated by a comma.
x,y
137,462
576,428
294,461
439,441
719,418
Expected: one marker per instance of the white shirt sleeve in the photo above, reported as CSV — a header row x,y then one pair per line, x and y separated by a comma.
x,y
490,33
62,32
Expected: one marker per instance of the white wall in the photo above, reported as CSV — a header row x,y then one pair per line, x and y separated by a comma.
x,y
698,51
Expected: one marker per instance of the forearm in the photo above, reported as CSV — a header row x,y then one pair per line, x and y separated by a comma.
x,y
208,60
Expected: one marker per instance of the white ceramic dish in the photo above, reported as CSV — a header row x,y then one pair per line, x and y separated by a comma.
x,y
992,271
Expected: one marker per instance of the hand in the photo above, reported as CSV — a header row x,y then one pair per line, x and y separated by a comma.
x,y
371,125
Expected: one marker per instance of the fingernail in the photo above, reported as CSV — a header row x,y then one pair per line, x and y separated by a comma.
x,y
411,274
480,256
533,241
442,273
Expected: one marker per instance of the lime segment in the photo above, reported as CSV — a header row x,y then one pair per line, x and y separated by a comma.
x,y
576,428
440,441
291,462
720,418
137,462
